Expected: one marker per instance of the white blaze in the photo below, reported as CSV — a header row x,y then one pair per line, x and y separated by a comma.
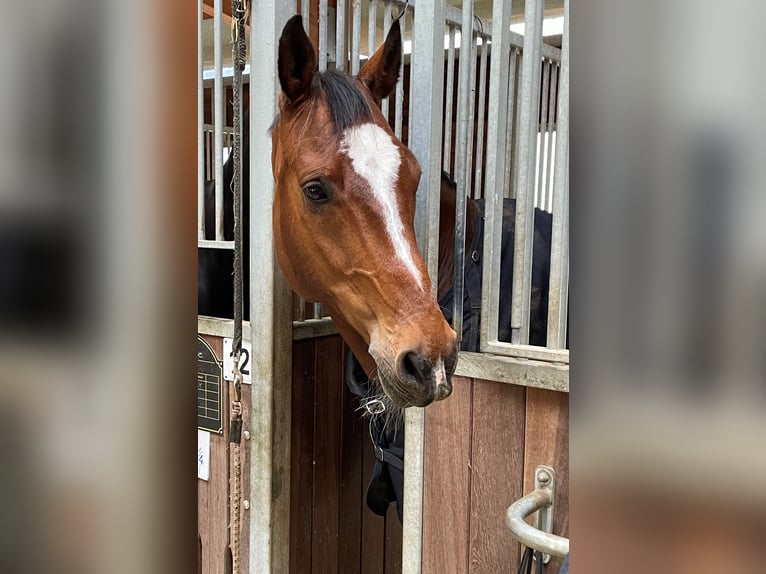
x,y
376,158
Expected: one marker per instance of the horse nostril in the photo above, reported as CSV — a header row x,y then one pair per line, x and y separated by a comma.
x,y
415,366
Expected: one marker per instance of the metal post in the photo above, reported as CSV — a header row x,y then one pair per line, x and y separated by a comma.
x,y
493,190
542,130
340,35
356,35
372,29
322,35
450,81
462,142
425,142
271,327
480,119
528,130
511,171
305,12
399,118
559,289
200,127
218,117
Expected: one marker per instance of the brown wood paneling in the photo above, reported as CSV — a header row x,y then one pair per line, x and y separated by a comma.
x,y
446,485
302,455
213,494
547,442
351,481
497,466
328,400
393,552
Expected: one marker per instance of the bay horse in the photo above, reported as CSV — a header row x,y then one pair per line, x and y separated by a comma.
x,y
343,227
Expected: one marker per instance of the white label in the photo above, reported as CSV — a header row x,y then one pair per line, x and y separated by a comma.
x,y
244,361
203,454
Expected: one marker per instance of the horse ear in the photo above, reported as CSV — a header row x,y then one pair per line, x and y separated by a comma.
x,y
297,60
381,72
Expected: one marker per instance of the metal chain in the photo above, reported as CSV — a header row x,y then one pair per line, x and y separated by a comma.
x,y
239,11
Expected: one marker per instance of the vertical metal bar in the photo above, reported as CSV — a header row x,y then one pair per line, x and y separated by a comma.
x,y
511,157
372,29
462,142
269,418
471,118
387,18
305,12
541,131
322,35
547,202
356,35
317,310
340,35
427,81
218,116
559,289
450,81
200,127
480,119
399,118
493,191
528,124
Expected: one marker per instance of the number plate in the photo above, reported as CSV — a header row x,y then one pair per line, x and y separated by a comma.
x,y
244,361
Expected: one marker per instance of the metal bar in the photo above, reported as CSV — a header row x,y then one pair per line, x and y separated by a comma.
x,y
528,129
317,311
479,170
322,35
200,127
541,501
427,74
387,19
399,118
214,244
305,11
218,116
496,145
547,199
269,419
340,35
450,81
301,309
541,131
471,119
559,287
462,142
511,157
356,35
372,29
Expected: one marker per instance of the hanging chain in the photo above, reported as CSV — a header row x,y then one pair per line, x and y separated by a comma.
x,y
239,12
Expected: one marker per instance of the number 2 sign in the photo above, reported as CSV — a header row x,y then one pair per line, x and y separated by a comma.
x,y
244,361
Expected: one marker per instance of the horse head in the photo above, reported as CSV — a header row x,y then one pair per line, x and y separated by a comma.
x,y
343,216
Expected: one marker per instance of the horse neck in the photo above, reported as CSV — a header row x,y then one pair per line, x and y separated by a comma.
x,y
448,200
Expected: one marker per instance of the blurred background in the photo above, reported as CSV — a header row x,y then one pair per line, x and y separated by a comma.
x,y
97,287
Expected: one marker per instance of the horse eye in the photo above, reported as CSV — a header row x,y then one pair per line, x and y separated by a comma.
x,y
315,192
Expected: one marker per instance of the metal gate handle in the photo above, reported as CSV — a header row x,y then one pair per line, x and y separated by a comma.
x,y
540,499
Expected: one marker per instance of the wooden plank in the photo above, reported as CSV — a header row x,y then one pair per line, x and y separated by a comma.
x,y
497,467
446,488
547,442
329,357
515,371
393,551
353,428
302,455
373,526
213,495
